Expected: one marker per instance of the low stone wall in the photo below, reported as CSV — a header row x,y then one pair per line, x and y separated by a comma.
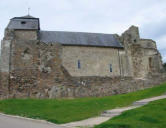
x,y
103,86
4,90
85,87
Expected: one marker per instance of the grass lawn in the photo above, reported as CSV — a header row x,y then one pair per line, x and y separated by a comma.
x,y
152,115
68,110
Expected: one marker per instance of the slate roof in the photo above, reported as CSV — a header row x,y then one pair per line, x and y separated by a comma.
x,y
30,23
25,17
80,39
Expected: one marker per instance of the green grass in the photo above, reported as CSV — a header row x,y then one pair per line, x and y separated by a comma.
x,y
152,115
68,110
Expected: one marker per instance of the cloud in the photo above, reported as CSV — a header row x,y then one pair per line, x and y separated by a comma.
x,y
164,59
103,16
163,52
161,43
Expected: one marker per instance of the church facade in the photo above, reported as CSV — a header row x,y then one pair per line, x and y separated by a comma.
x,y
51,64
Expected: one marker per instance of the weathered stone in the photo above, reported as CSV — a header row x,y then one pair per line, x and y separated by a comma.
x,y
55,92
35,69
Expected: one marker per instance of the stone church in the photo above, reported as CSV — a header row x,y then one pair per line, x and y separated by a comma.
x,y
54,64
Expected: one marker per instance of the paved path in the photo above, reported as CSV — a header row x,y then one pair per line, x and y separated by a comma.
x,y
106,115
7,121
19,122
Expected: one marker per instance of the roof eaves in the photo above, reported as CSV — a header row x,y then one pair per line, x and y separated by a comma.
x,y
120,47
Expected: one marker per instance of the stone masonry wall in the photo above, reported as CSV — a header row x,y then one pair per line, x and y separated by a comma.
x,y
4,66
142,54
26,34
24,68
94,61
39,70
101,86
35,67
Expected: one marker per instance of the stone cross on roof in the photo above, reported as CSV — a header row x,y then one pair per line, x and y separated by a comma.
x,y
29,11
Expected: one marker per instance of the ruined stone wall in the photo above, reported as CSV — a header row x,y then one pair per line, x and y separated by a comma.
x,y
35,67
24,67
5,55
147,43
26,34
139,61
94,61
31,68
44,76
142,54
124,64
4,66
102,86
5,62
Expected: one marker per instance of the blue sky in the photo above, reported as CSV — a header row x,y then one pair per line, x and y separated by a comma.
x,y
101,16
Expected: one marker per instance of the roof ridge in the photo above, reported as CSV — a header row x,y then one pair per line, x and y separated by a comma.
x,y
78,32
25,17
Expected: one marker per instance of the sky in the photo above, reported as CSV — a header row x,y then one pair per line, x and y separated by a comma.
x,y
99,16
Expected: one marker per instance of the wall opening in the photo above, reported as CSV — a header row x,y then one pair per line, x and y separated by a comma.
x,y
110,67
79,64
150,62
27,51
23,22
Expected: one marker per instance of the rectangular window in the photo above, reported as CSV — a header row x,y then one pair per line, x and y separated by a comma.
x,y
79,64
110,67
23,22
150,62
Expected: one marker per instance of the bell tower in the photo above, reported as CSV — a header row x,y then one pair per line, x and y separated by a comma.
x,y
19,32
25,28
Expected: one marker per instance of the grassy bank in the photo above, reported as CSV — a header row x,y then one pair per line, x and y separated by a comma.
x,y
68,110
152,115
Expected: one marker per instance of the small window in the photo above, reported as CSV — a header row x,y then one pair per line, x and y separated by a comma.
x,y
110,67
27,51
23,22
79,64
135,40
150,62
